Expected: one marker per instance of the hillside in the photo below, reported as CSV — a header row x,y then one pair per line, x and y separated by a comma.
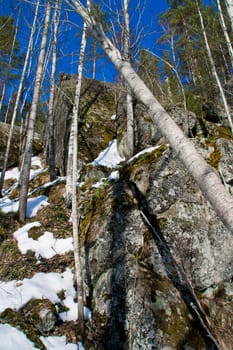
x,y
151,245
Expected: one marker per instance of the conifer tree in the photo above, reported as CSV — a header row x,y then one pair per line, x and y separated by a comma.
x,y
206,178
213,68
11,57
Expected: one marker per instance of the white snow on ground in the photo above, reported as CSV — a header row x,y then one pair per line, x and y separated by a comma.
x,y
14,172
15,294
112,177
146,150
36,161
12,339
109,157
33,205
59,343
113,117
46,246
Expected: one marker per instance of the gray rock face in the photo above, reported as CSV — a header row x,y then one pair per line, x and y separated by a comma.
x,y
96,128
196,236
130,277
41,313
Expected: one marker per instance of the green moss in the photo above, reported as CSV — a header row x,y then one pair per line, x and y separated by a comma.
x,y
147,158
16,320
215,157
13,266
194,104
216,133
2,234
222,132
35,233
94,206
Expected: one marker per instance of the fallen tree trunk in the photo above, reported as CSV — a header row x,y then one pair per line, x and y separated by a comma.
x,y
205,176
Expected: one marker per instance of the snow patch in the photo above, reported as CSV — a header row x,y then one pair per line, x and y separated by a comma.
x,y
33,205
46,246
109,157
59,343
13,339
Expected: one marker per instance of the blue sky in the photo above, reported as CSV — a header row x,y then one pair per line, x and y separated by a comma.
x,y
69,36
68,33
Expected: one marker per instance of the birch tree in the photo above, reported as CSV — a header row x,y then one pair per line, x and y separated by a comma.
x,y
129,98
205,176
214,71
26,163
229,5
52,92
225,32
6,156
74,145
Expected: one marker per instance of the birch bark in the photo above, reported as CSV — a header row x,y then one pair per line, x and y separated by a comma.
x,y
229,5
26,163
74,145
225,32
6,156
214,71
129,98
52,92
205,176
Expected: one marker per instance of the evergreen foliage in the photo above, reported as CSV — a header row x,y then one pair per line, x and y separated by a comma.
x,y
185,50
7,32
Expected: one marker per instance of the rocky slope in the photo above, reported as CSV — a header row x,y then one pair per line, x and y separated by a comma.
x,y
153,250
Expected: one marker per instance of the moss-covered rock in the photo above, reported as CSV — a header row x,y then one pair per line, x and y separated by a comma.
x,y
40,313
96,128
17,320
127,281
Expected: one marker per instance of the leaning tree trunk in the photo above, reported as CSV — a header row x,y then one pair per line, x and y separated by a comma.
x,y
129,98
52,93
213,68
25,170
205,176
18,99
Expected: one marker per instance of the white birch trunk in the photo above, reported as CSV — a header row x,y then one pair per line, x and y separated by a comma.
x,y
25,171
225,32
8,106
205,176
52,93
229,5
74,143
94,60
69,168
6,156
214,71
129,99
3,94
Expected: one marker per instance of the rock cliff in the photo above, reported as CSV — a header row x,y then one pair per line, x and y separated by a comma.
x,y
137,281
157,262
